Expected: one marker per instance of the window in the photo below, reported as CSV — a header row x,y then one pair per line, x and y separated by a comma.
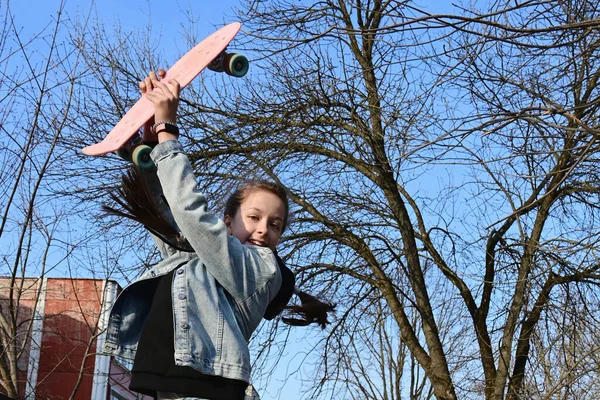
x,y
124,362
116,396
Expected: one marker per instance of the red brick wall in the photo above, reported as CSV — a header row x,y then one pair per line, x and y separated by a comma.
x,y
68,345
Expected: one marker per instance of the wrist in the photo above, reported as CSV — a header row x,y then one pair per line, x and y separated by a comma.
x,y
163,136
165,130
165,126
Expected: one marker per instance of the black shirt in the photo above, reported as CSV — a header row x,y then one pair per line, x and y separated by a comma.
x,y
154,366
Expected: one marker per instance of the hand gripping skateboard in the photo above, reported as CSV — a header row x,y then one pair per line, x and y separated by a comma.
x,y
124,138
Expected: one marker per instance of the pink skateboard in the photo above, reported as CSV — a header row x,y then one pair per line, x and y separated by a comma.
x,y
209,53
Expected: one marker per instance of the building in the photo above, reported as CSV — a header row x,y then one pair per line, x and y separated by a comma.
x,y
60,332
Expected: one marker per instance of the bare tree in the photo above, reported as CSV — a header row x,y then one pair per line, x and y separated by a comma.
x,y
534,85
365,106
445,179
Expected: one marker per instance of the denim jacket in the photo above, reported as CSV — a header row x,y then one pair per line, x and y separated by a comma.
x,y
220,291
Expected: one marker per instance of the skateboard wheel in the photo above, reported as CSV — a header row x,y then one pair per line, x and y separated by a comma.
x,y
141,156
236,65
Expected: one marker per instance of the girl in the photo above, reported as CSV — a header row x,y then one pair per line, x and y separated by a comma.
x,y
187,321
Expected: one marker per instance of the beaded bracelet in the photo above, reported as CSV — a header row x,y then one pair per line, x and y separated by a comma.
x,y
165,126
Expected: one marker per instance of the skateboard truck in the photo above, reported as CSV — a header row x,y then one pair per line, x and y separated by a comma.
x,y
231,63
137,152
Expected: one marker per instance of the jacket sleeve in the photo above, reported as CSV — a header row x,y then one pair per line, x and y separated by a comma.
x,y
241,270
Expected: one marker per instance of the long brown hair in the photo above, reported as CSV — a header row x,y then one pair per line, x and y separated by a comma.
x,y
311,310
135,201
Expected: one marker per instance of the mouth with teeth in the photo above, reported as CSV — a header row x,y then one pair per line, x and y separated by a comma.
x,y
256,243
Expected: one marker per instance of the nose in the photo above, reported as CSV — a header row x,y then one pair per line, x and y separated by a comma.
x,y
262,227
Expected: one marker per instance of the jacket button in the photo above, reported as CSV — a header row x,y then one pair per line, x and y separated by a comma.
x,y
180,271
181,296
183,325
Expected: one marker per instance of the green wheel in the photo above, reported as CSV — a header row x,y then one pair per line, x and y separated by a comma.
x,y
141,156
236,65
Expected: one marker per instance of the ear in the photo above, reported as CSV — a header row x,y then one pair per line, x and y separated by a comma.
x,y
227,220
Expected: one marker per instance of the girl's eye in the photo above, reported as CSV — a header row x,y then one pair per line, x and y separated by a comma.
x,y
253,217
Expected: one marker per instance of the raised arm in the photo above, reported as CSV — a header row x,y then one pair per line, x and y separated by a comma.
x,y
150,179
241,270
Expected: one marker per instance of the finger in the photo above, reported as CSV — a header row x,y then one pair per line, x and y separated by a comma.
x,y
176,87
152,96
164,88
158,87
173,88
161,73
156,99
160,93
152,75
142,86
156,92
148,83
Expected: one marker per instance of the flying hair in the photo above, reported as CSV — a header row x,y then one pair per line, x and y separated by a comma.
x,y
312,310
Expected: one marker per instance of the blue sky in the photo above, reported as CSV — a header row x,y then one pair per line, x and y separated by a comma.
x,y
169,19
33,14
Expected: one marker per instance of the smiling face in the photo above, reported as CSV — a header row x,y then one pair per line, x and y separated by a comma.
x,y
259,220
